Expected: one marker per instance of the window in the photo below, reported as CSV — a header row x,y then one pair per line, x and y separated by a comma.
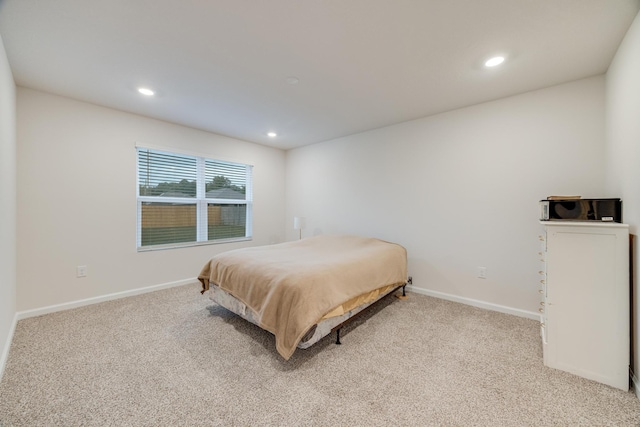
x,y
185,200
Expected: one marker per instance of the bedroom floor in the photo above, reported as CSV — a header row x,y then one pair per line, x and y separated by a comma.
x,y
173,357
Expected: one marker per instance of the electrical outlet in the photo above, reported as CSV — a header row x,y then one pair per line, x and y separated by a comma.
x,y
81,271
410,280
482,272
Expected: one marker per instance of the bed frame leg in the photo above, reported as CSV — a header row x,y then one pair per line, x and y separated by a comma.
x,y
404,293
338,336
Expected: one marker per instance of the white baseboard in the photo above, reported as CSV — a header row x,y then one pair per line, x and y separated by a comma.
x,y
476,303
95,300
7,345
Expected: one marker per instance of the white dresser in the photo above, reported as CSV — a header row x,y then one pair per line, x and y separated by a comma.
x,y
585,305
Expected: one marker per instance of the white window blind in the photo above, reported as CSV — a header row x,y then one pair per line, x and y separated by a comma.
x,y
185,200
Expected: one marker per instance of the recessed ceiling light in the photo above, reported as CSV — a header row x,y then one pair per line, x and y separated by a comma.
x,y
272,134
492,62
145,91
292,80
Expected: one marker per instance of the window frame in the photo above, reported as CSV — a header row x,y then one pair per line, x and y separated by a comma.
x,y
201,202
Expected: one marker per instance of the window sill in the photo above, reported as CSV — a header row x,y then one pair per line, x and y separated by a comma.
x,y
192,244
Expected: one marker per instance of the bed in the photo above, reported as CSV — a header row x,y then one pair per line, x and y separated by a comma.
x,y
300,291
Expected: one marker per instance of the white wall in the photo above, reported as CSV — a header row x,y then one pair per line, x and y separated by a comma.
x,y
459,190
77,199
7,206
623,144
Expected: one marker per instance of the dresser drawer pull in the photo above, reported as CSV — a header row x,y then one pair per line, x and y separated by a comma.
x,y
541,310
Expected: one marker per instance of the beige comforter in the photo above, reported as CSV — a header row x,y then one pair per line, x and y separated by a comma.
x,y
291,286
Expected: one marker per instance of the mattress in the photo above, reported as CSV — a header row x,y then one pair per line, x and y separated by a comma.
x,y
318,331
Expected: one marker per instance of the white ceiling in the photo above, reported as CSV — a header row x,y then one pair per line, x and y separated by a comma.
x,y
222,65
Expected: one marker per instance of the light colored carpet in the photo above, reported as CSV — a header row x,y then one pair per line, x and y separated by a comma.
x,y
174,358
